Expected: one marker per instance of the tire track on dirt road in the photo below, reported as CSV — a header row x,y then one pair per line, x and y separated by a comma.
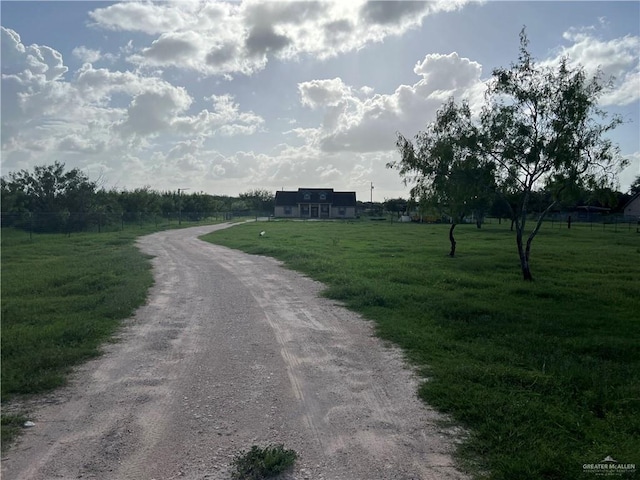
x,y
233,350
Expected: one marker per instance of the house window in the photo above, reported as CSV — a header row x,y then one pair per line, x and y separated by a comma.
x,y
342,211
287,210
323,196
307,196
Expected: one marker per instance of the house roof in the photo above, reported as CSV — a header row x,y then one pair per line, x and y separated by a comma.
x,y
632,200
344,199
315,195
284,199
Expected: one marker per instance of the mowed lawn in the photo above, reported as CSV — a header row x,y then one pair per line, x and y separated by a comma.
x,y
65,295
61,298
545,375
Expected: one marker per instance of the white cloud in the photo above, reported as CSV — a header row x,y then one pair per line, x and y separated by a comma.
x,y
323,93
30,65
230,38
626,90
617,58
385,13
197,167
87,55
161,121
33,63
98,84
152,112
629,174
144,17
447,72
171,47
101,114
32,84
225,119
78,143
356,120
293,167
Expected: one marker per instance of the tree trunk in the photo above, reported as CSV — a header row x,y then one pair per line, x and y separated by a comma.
x,y
452,240
526,272
525,252
524,255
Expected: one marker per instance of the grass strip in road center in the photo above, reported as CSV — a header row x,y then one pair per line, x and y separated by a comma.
x,y
545,374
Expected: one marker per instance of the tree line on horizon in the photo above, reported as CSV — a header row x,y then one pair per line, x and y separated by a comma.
x,y
496,206
52,199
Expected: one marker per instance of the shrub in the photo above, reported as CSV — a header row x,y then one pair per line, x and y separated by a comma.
x,y
259,463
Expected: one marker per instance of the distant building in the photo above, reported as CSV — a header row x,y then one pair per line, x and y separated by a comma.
x,y
315,203
632,208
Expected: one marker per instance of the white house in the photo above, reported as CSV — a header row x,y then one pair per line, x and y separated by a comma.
x,y
315,203
632,208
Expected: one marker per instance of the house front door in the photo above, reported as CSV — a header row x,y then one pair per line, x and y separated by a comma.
x,y
314,211
324,210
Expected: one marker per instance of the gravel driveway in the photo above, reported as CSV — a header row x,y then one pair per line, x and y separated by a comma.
x,y
233,350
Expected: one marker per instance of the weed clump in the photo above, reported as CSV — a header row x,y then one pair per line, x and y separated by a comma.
x,y
260,463
11,426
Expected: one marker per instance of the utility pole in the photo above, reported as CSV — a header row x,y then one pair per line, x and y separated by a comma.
x,y
371,199
180,205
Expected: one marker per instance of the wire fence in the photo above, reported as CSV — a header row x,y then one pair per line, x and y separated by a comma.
x,y
96,222
594,221
612,223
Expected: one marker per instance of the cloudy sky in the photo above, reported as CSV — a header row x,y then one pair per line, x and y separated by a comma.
x,y
226,97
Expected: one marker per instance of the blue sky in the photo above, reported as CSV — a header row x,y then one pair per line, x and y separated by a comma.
x,y
226,97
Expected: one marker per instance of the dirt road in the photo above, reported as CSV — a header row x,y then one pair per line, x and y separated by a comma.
x,y
233,350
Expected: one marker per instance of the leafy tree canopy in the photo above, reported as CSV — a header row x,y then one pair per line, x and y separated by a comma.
x,y
635,186
540,127
258,199
396,205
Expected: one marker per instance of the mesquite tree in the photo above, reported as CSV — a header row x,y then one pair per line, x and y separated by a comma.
x,y
540,127
444,167
59,199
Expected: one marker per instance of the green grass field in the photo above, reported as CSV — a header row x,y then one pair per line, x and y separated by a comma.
x,y
62,297
545,375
